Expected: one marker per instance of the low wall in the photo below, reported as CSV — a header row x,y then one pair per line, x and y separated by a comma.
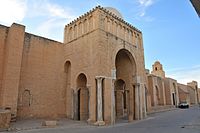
x,y
5,117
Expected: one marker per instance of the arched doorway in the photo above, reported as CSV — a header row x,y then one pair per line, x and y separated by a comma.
x,y
83,98
67,68
26,98
124,90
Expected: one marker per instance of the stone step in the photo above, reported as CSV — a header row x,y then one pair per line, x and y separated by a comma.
x,y
50,123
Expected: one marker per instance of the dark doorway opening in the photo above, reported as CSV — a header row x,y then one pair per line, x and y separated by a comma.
x,y
173,96
79,92
82,98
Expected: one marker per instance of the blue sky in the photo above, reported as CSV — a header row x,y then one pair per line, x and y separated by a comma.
x,y
171,28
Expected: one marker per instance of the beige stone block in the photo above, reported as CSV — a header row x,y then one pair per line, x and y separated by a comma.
x,y
5,117
50,123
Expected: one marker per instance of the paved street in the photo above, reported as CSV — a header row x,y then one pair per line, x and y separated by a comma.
x,y
176,121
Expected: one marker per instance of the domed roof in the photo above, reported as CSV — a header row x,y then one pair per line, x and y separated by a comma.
x,y
114,11
157,62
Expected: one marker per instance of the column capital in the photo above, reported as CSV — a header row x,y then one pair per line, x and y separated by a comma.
x,y
136,84
75,90
136,78
100,77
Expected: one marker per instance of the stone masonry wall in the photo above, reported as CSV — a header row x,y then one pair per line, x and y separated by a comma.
x,y
91,44
12,66
168,92
5,117
3,35
183,93
42,86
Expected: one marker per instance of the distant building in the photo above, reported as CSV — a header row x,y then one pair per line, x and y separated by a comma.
x,y
193,89
196,5
164,92
184,95
158,70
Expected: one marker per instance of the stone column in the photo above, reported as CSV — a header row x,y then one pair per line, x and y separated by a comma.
x,y
197,95
164,98
113,102
131,108
100,121
72,104
137,107
145,103
177,95
75,103
155,100
141,101
195,92
89,104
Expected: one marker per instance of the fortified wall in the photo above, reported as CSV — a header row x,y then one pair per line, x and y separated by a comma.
x,y
31,73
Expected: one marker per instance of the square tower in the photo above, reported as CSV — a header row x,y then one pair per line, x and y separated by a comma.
x,y
109,53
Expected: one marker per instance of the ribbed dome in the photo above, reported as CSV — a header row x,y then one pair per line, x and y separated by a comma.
x,y
114,11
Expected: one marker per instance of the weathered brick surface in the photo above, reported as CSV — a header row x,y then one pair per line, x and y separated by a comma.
x,y
193,91
183,91
42,85
171,88
5,117
12,66
157,90
3,35
49,123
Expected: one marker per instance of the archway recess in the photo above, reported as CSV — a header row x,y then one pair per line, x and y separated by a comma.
x,y
83,98
68,94
124,85
121,99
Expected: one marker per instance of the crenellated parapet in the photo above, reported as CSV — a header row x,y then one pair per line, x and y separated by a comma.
x,y
80,26
103,19
115,25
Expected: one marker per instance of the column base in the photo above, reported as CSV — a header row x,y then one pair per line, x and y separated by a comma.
x,y
130,118
99,123
89,121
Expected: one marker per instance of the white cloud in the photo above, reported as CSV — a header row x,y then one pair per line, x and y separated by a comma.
x,y
51,18
41,17
146,3
51,28
184,75
45,8
12,11
143,6
56,11
59,12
